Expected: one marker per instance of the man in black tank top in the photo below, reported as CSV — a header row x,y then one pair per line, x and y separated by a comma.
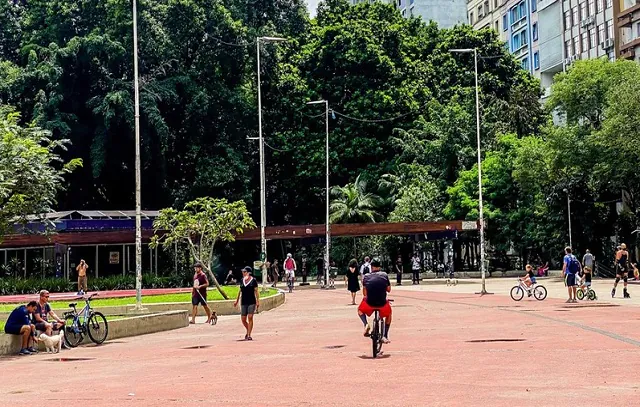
x,y
622,268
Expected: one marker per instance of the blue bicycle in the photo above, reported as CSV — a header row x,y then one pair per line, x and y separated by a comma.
x,y
87,321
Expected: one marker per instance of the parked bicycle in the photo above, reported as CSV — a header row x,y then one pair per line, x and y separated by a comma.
x,y
87,321
538,291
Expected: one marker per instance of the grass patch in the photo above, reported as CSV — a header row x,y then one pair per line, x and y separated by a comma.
x,y
1,327
212,295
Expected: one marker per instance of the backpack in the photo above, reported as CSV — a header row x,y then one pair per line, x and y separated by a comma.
x,y
366,270
574,265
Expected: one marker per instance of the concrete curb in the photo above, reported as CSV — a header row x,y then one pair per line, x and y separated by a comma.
x,y
119,328
224,307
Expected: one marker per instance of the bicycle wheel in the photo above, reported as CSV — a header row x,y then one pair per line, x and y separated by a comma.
x,y
72,332
540,292
592,295
374,336
580,294
517,293
97,328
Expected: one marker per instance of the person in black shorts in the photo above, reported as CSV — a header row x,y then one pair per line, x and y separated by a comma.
x,y
375,287
249,297
622,269
42,314
199,294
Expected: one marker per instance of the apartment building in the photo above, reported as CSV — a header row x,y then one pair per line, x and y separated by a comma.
x,y
516,22
571,30
446,13
629,30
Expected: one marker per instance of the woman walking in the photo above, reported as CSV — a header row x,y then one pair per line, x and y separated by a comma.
x,y
250,302
275,273
352,278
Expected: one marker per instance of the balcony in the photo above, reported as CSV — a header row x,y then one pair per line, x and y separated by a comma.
x,y
629,16
627,51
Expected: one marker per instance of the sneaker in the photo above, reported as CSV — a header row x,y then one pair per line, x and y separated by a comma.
x,y
613,293
574,301
24,352
367,331
32,350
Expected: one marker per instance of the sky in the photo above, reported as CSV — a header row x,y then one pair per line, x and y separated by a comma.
x,y
311,6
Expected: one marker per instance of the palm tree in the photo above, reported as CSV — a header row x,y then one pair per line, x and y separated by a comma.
x,y
352,203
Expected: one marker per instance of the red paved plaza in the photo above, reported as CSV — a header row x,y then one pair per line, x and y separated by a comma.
x,y
310,352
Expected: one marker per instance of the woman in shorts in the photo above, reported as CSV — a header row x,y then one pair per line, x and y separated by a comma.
x,y
249,298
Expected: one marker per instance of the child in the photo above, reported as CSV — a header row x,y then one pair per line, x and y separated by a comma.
x,y
636,272
529,278
585,281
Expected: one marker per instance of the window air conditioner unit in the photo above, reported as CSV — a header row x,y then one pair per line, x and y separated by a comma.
x,y
608,43
574,58
567,61
587,21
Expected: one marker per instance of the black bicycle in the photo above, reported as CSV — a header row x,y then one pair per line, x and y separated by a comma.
x,y
87,321
377,332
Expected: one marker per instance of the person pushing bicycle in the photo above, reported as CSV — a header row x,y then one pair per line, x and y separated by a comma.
x,y
375,286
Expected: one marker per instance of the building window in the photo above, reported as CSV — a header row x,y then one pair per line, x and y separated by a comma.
x,y
514,15
404,12
534,29
495,4
585,42
592,7
536,61
638,30
575,46
479,12
601,34
523,10
534,5
497,26
583,11
567,20
525,63
411,12
411,1
471,18
609,25
593,42
524,39
574,16
486,7
609,3
567,49
399,3
505,22
599,6
515,42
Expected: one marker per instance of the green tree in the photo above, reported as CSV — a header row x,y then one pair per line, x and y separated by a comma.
x,y
353,203
31,170
203,223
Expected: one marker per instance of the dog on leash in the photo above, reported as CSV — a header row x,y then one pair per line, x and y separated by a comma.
x,y
53,343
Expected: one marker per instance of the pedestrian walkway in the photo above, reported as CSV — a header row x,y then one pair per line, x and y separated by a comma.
x,y
102,294
448,348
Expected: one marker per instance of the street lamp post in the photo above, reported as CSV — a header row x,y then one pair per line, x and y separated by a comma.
x,y
481,214
136,92
327,265
263,207
566,191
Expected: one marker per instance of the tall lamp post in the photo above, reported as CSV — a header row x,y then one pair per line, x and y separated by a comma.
x,y
327,265
263,207
566,191
136,93
481,214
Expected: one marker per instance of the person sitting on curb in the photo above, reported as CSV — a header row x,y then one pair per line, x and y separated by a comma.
x,y
42,314
19,323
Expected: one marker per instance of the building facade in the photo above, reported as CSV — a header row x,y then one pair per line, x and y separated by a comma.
x,y
446,13
629,30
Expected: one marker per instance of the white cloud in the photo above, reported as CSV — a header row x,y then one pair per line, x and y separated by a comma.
x,y
312,5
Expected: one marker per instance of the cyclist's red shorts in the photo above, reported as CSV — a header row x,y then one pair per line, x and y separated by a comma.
x,y
367,309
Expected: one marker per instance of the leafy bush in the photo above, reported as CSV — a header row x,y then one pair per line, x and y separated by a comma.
x,y
12,286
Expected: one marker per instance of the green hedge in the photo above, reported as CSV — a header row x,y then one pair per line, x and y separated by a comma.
x,y
12,286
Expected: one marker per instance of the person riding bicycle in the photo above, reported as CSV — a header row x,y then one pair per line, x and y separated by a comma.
x,y
585,280
375,286
290,268
529,278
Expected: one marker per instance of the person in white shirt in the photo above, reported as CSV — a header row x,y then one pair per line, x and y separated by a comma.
x,y
366,266
415,267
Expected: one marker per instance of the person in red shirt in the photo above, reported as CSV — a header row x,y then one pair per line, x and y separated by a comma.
x,y
199,293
